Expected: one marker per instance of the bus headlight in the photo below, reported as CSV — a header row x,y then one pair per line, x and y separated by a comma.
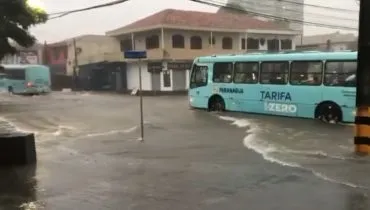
x,y
190,99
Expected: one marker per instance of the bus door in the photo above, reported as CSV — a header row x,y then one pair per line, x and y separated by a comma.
x,y
16,79
199,91
222,84
305,86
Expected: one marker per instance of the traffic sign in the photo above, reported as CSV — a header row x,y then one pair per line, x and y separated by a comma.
x,y
132,54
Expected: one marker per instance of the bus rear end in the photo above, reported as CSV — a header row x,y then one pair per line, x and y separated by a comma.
x,y
37,80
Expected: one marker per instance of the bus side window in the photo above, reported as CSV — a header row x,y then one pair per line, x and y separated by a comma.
x,y
306,73
275,73
222,72
246,73
340,73
199,76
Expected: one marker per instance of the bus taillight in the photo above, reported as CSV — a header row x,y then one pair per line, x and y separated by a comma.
x,y
29,84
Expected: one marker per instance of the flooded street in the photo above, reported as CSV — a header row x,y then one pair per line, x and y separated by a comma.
x,y
89,157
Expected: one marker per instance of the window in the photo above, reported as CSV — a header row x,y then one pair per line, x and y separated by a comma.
x,y
195,43
178,41
340,73
199,76
243,43
246,73
227,43
126,45
152,42
306,73
253,44
286,44
222,72
166,79
15,74
274,73
273,45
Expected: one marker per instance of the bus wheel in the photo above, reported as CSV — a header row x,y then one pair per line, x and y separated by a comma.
x,y
329,113
216,103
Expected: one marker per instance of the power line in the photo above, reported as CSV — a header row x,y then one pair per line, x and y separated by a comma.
x,y
62,14
264,5
217,4
319,6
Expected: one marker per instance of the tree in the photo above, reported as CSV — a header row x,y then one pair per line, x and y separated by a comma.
x,y
15,20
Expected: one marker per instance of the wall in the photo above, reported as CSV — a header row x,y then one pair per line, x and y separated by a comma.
x,y
269,37
93,49
56,58
133,76
168,52
207,48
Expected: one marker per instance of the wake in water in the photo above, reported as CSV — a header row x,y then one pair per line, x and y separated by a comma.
x,y
271,151
112,132
7,125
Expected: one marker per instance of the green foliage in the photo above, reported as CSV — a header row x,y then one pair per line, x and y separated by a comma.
x,y
16,17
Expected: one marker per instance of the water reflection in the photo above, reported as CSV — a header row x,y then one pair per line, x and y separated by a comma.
x,y
17,186
357,200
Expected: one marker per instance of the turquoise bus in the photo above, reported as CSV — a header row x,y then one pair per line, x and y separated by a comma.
x,y
310,84
25,79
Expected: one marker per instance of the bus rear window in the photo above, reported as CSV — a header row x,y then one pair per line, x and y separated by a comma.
x,y
15,74
340,73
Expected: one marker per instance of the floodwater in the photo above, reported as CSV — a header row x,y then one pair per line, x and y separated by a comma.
x,y
90,157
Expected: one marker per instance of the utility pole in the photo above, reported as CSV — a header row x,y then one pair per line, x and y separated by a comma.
x,y
141,103
75,66
362,120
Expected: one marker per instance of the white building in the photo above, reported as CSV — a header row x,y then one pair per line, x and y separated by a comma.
x,y
173,38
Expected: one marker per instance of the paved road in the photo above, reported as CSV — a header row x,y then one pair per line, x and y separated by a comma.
x,y
89,157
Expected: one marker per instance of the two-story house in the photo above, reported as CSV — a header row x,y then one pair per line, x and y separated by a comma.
x,y
173,38
90,60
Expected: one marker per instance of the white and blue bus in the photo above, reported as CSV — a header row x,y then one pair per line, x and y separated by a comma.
x,y
25,79
308,84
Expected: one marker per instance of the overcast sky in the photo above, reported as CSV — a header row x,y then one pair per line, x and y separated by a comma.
x,y
101,20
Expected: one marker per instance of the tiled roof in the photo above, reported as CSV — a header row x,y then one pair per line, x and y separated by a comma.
x,y
194,19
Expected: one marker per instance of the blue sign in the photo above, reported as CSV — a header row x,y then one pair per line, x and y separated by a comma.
x,y
134,54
